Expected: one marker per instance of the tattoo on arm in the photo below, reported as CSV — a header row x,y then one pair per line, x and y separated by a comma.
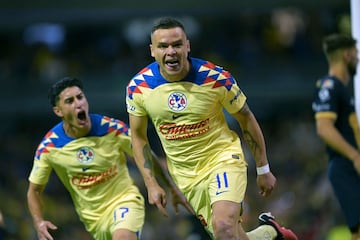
x,y
250,140
149,164
152,163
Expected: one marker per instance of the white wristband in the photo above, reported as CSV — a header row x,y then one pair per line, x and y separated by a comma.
x,y
263,169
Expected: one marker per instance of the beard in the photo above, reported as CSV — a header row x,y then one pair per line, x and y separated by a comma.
x,y
352,69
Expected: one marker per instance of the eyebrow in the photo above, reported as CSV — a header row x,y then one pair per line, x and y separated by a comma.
x,y
171,43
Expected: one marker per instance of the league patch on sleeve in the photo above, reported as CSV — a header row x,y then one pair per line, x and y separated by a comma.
x,y
328,83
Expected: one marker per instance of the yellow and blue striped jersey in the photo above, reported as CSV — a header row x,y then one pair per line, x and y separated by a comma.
x,y
188,116
92,168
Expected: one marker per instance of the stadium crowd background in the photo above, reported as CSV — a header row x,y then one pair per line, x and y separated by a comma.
x,y
275,54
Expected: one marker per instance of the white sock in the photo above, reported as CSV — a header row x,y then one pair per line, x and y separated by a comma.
x,y
263,232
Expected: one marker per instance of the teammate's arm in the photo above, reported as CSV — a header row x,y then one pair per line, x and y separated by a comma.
x,y
34,198
254,138
144,160
332,137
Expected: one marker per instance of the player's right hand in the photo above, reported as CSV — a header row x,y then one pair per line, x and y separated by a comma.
x,y
43,230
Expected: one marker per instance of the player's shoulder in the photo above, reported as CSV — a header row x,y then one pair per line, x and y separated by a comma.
x,y
148,77
54,138
204,65
208,73
102,125
327,82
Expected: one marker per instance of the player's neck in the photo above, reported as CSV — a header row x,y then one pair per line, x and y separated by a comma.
x,y
75,132
340,72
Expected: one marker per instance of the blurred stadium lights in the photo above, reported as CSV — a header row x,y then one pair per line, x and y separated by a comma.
x,y
50,34
137,30
78,12
289,22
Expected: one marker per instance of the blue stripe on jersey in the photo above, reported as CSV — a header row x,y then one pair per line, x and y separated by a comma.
x,y
100,126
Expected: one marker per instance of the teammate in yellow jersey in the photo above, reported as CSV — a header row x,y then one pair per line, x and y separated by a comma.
x,y
88,152
184,97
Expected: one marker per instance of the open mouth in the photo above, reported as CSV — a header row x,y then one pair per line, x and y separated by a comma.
x,y
81,116
172,63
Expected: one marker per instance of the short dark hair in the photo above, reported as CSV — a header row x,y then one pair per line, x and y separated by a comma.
x,y
334,42
59,86
167,23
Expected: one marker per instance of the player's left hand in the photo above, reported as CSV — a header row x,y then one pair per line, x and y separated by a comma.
x,y
266,183
43,228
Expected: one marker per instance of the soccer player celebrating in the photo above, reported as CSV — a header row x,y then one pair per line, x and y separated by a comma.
x,y
184,97
88,153
337,125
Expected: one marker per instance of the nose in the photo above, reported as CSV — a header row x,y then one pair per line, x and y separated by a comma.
x,y
78,102
170,50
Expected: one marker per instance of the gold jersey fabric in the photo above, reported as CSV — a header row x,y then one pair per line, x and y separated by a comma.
x,y
189,119
93,169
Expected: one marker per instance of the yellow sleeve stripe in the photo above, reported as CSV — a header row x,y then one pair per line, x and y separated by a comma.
x,y
331,115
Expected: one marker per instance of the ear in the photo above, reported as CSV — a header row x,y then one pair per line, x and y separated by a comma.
x,y
347,55
58,111
151,50
188,45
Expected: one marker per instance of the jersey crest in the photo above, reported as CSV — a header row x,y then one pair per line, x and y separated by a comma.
x,y
85,155
177,101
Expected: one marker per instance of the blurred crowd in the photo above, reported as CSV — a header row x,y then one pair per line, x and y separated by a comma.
x,y
275,55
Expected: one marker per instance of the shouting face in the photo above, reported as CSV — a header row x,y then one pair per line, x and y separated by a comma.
x,y
73,108
170,48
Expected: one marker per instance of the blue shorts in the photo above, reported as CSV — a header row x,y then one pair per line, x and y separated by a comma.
x,y
346,184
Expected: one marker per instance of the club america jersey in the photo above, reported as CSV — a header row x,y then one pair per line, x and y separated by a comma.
x,y
188,116
92,168
333,100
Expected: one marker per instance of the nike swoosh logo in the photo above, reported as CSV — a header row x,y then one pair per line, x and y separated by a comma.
x,y
85,169
175,116
218,193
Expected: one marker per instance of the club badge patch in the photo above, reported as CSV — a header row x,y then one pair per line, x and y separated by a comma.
x,y
177,101
85,155
324,95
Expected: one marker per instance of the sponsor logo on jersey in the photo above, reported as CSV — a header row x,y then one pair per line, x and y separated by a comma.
x,y
321,107
202,220
88,181
130,107
173,131
177,101
175,116
236,96
221,192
